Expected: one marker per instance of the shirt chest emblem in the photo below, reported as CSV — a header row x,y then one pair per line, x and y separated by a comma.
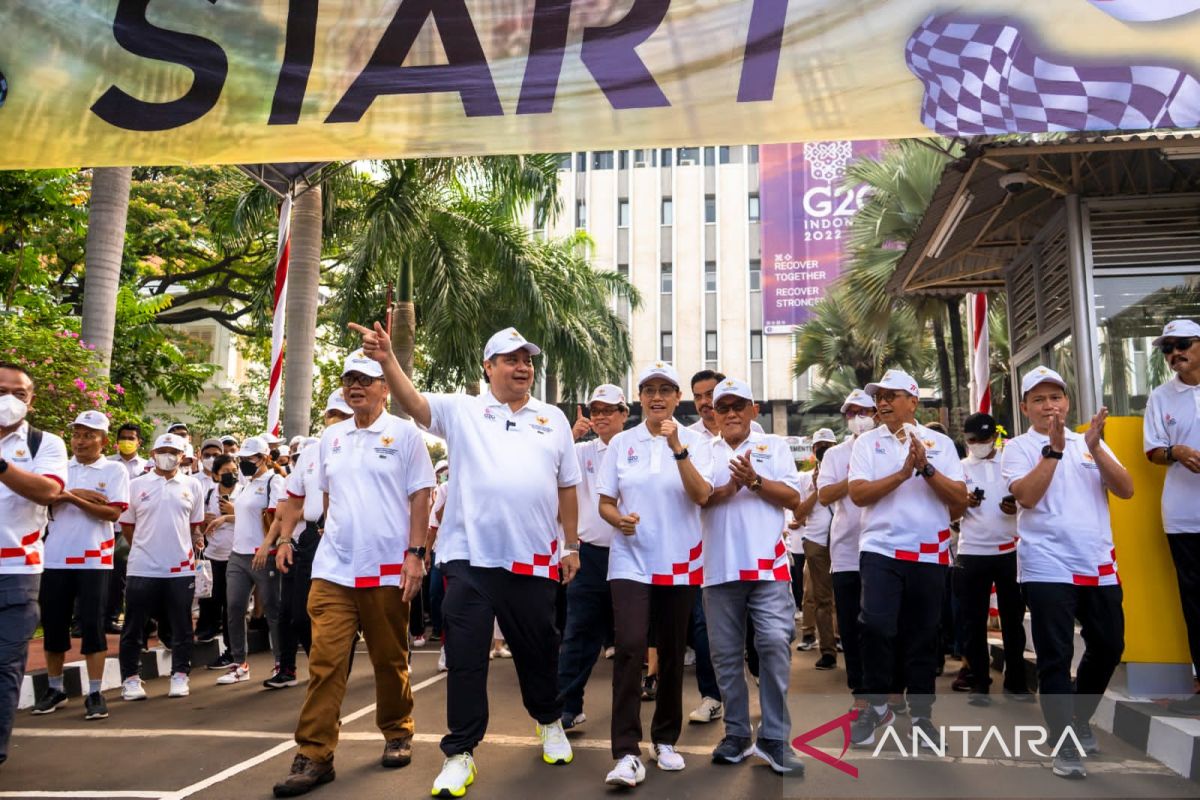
x,y
387,440
488,414
631,457
336,447
144,497
1089,461
879,449
1169,419
590,466
540,425
19,455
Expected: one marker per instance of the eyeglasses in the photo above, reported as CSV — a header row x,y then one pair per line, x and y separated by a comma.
x,y
1171,345
737,406
351,379
659,391
890,396
604,412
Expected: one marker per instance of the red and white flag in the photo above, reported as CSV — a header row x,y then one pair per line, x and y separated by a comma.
x,y
981,392
279,301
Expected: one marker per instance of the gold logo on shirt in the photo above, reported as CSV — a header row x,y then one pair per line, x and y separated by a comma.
x,y
101,485
387,440
20,454
928,443
542,420
762,448
1088,457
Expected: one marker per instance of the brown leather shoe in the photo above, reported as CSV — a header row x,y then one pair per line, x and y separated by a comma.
x,y
397,752
305,776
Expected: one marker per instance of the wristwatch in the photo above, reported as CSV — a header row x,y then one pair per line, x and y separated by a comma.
x,y
3,466
756,484
282,542
569,550
681,455
926,471
419,552
1170,455
1050,452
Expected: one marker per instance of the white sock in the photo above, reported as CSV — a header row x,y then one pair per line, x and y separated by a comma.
x,y
56,682
881,710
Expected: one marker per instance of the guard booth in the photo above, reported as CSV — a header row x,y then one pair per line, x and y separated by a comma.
x,y
1094,244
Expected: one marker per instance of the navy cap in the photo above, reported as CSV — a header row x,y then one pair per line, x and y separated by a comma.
x,y
980,426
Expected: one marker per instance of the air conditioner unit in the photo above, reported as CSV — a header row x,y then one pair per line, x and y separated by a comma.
x,y
688,162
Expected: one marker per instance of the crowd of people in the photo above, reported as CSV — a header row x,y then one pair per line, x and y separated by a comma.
x,y
656,544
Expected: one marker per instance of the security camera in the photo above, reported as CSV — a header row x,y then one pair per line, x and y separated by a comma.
x,y
1013,182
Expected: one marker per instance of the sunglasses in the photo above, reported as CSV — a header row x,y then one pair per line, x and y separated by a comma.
x,y
737,406
357,379
1171,345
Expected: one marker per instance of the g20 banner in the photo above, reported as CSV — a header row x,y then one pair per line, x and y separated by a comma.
x,y
805,218
109,82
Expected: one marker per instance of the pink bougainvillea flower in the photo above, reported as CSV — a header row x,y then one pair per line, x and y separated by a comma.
x,y
80,385
119,389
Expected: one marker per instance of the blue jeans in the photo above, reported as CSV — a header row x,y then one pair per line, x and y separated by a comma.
x,y
706,676
18,621
589,618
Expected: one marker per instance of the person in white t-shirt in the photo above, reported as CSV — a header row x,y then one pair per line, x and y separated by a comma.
x,y
499,542
987,556
747,578
813,533
437,582
652,482
1171,432
908,481
79,559
163,526
1067,563
213,622
589,602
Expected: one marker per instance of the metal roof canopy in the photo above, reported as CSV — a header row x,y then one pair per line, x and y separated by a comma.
x,y
976,226
294,179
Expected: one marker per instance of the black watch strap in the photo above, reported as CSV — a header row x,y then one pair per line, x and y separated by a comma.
x,y
3,465
419,552
928,471
1050,452
681,455
1170,454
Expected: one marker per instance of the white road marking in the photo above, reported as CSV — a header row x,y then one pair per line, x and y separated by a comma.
x,y
86,793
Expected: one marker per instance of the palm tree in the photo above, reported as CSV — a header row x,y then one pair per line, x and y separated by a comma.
x,y
304,283
104,251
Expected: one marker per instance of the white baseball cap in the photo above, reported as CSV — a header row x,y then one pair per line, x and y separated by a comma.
x,y
337,402
897,380
659,369
734,388
189,451
358,362
1040,375
296,441
858,398
175,425
170,441
270,438
1178,328
227,439
441,465
92,419
824,435
607,393
254,446
508,341
284,450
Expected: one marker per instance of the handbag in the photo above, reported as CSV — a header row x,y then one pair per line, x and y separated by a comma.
x,y
204,579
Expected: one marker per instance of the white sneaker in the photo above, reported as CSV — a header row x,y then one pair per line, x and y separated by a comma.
x,y
235,674
419,641
708,710
609,652
179,686
689,657
555,747
442,661
504,652
668,758
629,771
132,689
458,772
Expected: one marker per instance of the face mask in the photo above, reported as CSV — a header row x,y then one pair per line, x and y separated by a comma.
x,y
860,425
980,451
248,468
229,480
820,454
127,447
12,410
207,463
166,461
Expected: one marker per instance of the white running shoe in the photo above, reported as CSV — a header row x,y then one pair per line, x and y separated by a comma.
x,y
132,689
442,660
458,772
629,771
555,747
689,657
609,652
503,651
668,758
418,641
179,686
235,674
708,710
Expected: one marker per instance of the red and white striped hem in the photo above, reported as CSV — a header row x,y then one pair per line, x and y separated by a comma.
x,y
684,573
27,552
103,556
544,565
769,569
929,552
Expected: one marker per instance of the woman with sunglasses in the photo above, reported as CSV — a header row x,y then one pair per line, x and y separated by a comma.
x,y
652,482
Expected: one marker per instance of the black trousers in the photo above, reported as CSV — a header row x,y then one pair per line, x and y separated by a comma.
x,y
116,584
214,611
901,618
1053,609
168,599
1185,552
847,595
295,627
525,608
589,618
634,606
973,579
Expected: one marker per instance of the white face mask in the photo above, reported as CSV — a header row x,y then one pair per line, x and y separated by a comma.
x,y
860,425
166,461
207,462
12,410
980,451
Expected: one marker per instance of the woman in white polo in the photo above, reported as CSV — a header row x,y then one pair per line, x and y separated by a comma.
x,y
652,482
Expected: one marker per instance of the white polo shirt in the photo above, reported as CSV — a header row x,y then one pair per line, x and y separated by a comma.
x,y
303,484
640,473
439,502
816,526
369,474
136,466
22,521
502,505
1066,537
986,530
846,525
220,542
592,527
910,523
76,539
257,496
743,536
1173,417
162,513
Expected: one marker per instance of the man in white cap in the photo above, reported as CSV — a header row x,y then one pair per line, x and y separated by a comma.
x,y
79,560
33,470
704,383
589,602
814,535
746,577
1172,437
375,472
1067,564
230,444
163,527
180,429
858,409
908,481
498,545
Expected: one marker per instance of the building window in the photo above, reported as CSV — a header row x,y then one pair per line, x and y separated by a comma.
x,y
564,161
753,154
668,211
602,159
623,213
689,155
710,346
710,156
581,162
756,345
665,155
724,154
580,213
755,275
622,159
645,158
710,276
666,281
666,347
710,208
755,212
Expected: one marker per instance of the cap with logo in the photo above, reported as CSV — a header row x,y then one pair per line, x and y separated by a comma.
x,y
1038,376
659,369
358,362
607,393
92,419
980,426
858,398
337,402
732,387
254,446
824,435
175,426
284,450
170,441
1178,328
210,443
508,341
896,380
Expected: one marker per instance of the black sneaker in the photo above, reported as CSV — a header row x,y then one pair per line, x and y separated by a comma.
x,y
51,700
221,662
732,750
649,687
282,679
1068,764
1020,695
779,757
207,636
807,643
899,708
1083,732
827,661
932,740
94,706
979,699
862,730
